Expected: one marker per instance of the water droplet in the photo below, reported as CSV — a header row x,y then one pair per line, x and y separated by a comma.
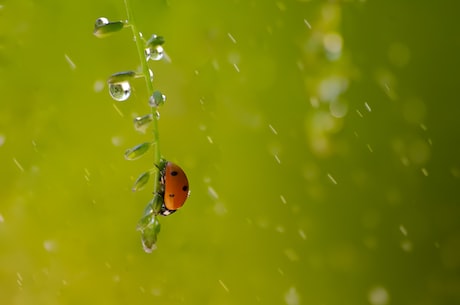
x,y
231,37
118,110
101,21
141,123
425,172
275,132
331,178
19,279
103,27
141,181
120,91
70,62
154,52
403,230
283,199
18,164
223,285
212,192
157,99
137,151
367,107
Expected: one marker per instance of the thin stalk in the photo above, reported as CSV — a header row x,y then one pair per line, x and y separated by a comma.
x,y
148,81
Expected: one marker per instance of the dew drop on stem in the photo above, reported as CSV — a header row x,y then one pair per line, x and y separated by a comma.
x,y
101,21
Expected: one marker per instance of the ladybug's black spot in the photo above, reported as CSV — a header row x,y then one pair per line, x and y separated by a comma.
x,y
174,173
171,195
185,188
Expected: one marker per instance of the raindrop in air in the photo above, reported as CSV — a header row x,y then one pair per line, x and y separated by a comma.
x,y
137,151
141,123
157,99
120,91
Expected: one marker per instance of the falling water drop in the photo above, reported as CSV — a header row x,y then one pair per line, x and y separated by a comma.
x,y
141,123
157,99
120,91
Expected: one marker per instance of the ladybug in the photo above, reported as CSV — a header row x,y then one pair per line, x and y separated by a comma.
x,y
175,187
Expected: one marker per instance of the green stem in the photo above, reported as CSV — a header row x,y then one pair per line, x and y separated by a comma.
x,y
146,71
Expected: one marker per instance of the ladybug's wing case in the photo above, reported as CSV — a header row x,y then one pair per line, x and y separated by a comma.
x,y
176,187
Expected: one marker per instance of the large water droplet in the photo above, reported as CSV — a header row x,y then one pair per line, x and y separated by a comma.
x,y
120,91
141,181
157,99
141,123
137,151
154,52
101,21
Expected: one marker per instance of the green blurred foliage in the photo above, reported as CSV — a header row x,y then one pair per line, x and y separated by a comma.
x,y
319,137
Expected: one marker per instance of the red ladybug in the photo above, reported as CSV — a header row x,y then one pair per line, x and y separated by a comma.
x,y
175,187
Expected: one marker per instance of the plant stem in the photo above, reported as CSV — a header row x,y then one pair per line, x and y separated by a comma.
x,y
146,71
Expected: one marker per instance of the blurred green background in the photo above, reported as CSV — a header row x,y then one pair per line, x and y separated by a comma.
x,y
320,138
